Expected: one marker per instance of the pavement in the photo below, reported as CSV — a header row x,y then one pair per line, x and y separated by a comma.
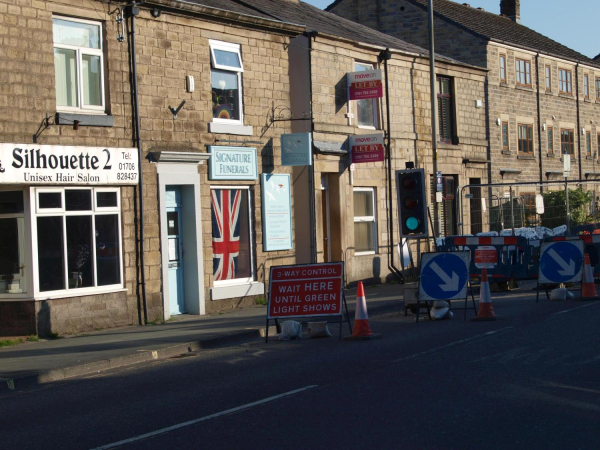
x,y
45,361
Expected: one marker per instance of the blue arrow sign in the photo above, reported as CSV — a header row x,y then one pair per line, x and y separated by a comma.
x,y
561,262
444,276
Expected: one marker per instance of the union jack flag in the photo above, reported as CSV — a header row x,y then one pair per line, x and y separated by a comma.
x,y
225,232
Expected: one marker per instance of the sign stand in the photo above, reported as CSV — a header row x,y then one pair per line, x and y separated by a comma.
x,y
447,278
306,291
278,325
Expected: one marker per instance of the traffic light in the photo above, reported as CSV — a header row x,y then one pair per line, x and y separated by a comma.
x,y
412,207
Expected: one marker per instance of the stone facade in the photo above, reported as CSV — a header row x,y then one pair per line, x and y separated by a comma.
x,y
506,101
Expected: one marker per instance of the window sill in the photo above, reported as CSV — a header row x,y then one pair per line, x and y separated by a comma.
x,y
371,253
528,157
449,146
550,155
565,95
225,128
506,152
587,99
588,157
523,87
235,291
85,120
77,293
573,159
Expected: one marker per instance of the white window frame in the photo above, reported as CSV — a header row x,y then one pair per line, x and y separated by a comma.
x,y
95,211
80,51
232,48
372,219
375,126
24,250
250,279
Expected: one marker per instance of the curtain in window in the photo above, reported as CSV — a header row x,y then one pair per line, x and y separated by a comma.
x,y
65,66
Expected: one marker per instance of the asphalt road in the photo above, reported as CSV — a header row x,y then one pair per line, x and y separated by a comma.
x,y
530,380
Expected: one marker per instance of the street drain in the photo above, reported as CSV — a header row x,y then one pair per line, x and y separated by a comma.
x,y
184,355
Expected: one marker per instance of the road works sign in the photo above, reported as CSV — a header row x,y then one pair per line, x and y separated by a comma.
x,y
444,276
305,290
561,262
486,257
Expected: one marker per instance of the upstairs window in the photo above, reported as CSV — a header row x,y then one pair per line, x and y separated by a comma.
x,y
366,110
525,139
548,79
564,81
567,139
523,70
597,88
226,82
503,68
586,87
550,140
78,65
445,111
588,143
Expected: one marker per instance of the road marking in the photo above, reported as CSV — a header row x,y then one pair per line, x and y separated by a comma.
x,y
573,309
452,344
203,419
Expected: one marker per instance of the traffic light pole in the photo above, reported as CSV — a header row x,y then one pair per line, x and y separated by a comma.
x,y
434,144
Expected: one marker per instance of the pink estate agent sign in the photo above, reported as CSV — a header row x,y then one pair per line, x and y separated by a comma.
x,y
365,84
367,148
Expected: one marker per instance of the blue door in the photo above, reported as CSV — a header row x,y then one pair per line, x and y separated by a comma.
x,y
175,250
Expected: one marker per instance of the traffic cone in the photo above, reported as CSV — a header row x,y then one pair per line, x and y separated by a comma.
x,y
486,310
588,288
361,330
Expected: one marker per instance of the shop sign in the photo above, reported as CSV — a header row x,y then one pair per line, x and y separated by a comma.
x,y
365,84
56,164
232,163
276,212
296,149
367,148
305,290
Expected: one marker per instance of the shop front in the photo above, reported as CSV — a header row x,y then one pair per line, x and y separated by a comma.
x,y
66,237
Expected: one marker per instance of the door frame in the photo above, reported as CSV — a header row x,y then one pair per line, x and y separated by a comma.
x,y
326,217
185,175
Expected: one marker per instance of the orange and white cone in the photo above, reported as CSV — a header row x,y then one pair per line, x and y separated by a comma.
x,y
361,329
486,310
588,288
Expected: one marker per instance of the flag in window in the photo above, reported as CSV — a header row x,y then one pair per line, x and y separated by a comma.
x,y
225,207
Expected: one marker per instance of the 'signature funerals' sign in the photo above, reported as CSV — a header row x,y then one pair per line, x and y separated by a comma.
x,y
57,164
365,84
232,163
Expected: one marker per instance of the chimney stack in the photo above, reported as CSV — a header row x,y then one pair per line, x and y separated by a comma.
x,y
511,9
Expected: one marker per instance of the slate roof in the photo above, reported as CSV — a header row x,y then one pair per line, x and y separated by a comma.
x,y
498,28
229,5
324,22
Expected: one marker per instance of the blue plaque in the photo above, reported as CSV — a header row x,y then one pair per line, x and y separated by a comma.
x,y
296,149
232,163
276,212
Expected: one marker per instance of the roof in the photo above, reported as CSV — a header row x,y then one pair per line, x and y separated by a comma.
x,y
497,28
327,23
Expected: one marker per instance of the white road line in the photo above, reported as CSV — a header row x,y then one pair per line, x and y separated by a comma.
x,y
574,309
452,344
202,419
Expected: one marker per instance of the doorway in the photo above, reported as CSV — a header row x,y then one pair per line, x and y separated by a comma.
x,y
175,250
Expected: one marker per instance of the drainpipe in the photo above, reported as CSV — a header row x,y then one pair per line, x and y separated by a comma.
x,y
386,55
539,121
311,169
134,11
578,119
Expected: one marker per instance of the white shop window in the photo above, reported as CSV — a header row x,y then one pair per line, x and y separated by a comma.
x,y
226,82
366,110
77,240
365,223
232,242
13,267
79,65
